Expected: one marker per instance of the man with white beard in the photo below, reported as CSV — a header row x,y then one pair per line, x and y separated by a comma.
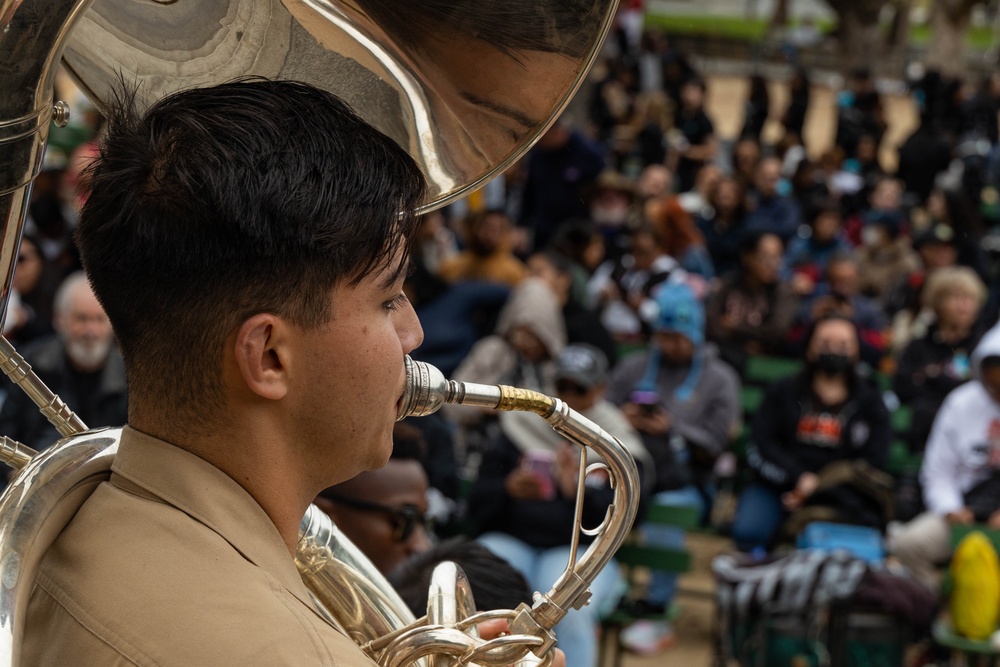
x,y
80,363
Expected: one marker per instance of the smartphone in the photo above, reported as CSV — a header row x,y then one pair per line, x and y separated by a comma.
x,y
542,464
649,401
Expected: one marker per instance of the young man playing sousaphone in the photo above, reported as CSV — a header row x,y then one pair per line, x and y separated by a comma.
x,y
247,244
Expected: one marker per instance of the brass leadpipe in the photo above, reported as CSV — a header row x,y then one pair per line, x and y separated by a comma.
x,y
427,391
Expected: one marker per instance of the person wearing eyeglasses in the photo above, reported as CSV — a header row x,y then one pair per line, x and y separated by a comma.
x,y
384,511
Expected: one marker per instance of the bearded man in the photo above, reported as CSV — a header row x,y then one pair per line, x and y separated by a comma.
x,y
80,363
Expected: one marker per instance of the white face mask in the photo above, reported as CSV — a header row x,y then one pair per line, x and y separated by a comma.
x,y
871,236
614,216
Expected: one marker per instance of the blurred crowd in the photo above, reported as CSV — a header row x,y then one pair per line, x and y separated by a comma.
x,y
638,265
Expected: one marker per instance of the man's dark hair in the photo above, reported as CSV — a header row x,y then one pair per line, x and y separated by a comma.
x,y
221,203
495,583
989,363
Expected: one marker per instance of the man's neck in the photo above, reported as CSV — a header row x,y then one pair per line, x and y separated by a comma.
x,y
253,459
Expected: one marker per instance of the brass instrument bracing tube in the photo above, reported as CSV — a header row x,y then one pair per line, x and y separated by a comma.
x,y
54,408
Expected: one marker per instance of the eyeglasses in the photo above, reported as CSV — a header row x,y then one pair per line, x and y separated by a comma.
x,y
404,518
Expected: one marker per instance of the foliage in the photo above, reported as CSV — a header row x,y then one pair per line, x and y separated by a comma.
x,y
980,38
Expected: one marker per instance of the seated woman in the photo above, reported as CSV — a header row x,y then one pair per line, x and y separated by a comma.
x,y
938,362
959,474
679,236
820,439
753,310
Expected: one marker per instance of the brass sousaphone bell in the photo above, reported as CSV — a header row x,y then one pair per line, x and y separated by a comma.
x,y
466,88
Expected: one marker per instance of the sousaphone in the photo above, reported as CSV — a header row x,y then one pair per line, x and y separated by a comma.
x,y
466,87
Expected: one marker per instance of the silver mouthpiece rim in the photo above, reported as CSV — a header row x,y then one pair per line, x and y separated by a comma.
x,y
425,392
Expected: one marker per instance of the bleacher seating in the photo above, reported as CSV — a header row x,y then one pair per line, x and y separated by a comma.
x,y
635,557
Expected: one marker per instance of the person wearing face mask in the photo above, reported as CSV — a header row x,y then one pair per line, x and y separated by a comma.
x,y
819,440
885,255
612,204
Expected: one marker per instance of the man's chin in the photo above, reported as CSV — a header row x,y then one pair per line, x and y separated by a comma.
x,y
381,455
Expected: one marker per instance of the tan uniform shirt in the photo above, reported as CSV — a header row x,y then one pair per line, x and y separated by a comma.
x,y
172,563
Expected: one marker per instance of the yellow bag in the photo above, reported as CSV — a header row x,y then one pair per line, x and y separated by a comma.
x,y
975,595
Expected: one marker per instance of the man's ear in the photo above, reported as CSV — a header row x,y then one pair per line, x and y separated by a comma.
x,y
261,349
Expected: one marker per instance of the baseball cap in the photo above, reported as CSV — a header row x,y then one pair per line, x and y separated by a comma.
x,y
583,365
935,234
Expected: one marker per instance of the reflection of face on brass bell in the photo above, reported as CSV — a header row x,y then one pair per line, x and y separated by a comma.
x,y
464,86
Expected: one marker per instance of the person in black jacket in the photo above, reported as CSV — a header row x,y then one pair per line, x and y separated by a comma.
x,y
938,362
825,415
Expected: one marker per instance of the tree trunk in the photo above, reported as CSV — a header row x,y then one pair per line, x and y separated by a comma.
x,y
861,41
949,25
898,39
779,19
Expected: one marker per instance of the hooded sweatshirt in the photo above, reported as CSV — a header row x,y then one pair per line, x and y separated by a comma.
x,y
964,445
704,419
494,361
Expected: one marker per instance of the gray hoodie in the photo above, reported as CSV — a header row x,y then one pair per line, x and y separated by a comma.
x,y
493,360
707,419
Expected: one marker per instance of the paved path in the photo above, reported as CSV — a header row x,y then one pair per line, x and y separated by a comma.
x,y
815,9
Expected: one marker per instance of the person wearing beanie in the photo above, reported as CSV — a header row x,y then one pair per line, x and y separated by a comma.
x,y
684,401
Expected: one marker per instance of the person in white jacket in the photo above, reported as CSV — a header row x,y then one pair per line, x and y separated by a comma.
x,y
963,451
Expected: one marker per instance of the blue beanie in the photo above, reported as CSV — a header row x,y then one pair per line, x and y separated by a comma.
x,y
680,312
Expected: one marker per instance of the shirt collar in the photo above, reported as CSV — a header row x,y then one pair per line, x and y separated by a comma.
x,y
208,495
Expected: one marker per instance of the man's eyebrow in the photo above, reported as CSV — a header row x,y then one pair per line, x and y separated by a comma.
x,y
403,268
502,109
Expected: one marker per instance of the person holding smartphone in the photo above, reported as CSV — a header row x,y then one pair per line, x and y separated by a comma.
x,y
684,402
524,499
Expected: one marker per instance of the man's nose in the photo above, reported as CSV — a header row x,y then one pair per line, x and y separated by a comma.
x,y
411,333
